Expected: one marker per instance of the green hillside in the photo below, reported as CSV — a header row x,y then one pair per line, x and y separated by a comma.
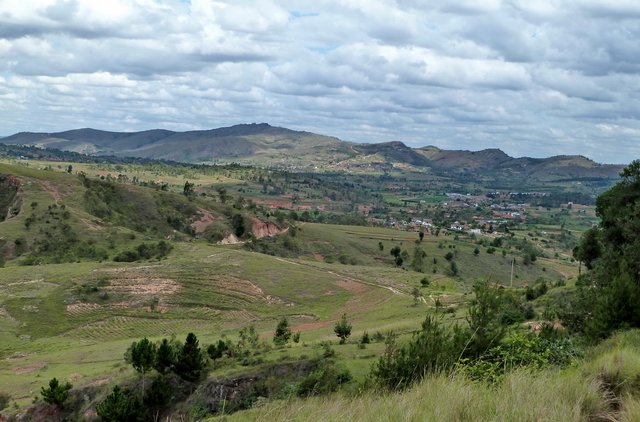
x,y
97,256
277,147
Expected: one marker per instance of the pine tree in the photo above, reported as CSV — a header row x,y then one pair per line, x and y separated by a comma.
x,y
343,329
119,406
283,332
56,393
190,362
165,357
143,357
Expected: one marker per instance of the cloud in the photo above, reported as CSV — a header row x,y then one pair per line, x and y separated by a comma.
x,y
534,78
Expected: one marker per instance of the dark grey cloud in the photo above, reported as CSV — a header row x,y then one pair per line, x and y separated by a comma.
x,y
533,78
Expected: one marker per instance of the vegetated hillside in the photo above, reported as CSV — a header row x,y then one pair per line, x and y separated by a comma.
x,y
266,145
54,217
599,388
75,322
258,141
495,163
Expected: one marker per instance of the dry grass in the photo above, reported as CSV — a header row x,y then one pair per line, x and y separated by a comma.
x,y
604,387
547,396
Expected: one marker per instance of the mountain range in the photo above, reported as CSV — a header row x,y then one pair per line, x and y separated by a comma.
x,y
266,145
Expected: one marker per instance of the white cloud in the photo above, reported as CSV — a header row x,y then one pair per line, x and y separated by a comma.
x,y
534,78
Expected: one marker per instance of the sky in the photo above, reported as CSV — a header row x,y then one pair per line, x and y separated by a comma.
x,y
531,77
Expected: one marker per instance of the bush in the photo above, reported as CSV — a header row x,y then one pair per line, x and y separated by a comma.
x,y
190,363
120,406
145,251
326,379
56,393
343,329
4,400
432,349
520,350
282,333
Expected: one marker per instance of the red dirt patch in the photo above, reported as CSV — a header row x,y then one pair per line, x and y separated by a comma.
x,y
352,286
262,229
29,368
205,220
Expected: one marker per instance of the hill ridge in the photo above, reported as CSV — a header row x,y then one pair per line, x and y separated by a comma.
x,y
279,147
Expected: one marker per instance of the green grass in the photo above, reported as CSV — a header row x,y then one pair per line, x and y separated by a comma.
x,y
52,322
604,386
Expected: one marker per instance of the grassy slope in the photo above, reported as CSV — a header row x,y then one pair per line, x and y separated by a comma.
x,y
601,387
51,326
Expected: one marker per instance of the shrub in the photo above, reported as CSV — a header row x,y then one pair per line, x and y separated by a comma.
x,y
56,393
120,406
326,379
432,349
190,363
343,329
282,333
145,251
4,400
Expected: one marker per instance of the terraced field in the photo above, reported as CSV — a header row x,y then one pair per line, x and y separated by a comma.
x,y
74,320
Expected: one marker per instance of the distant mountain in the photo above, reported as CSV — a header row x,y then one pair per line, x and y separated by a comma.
x,y
266,145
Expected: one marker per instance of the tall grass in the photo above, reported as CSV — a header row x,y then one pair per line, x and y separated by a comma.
x,y
603,387
521,396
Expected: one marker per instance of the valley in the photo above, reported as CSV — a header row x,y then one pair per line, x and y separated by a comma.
x,y
71,303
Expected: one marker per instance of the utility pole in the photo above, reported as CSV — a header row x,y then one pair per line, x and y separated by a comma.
x,y
513,261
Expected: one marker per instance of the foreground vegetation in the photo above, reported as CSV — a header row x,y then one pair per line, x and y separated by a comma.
x,y
276,306
603,386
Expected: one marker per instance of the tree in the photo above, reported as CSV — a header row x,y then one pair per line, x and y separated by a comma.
x,y
143,357
4,400
418,259
399,261
588,249
188,189
237,223
611,299
56,393
249,337
631,173
453,268
119,406
342,329
282,333
158,396
416,295
222,193
432,349
483,318
165,357
190,363
217,350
